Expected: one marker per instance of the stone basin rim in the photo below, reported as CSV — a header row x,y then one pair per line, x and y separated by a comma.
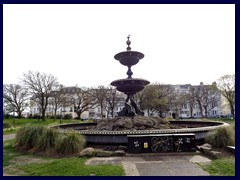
x,y
138,132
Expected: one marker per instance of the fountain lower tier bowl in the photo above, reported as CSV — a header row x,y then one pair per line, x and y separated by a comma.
x,y
99,137
131,85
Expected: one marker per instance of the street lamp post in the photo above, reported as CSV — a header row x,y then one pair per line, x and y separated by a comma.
x,y
61,117
14,117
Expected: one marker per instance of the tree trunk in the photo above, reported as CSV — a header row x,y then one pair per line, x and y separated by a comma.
x,y
205,111
112,109
177,114
232,110
191,111
55,113
19,112
43,114
79,114
101,111
201,109
160,114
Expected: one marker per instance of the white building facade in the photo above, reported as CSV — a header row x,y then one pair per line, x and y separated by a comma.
x,y
219,108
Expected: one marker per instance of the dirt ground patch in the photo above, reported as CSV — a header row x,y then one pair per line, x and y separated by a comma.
x,y
13,169
22,160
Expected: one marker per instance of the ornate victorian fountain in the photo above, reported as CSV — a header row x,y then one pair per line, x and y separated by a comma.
x,y
130,86
132,128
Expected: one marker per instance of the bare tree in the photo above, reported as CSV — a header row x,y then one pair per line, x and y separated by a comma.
x,y
82,101
165,93
191,102
226,86
210,100
40,86
199,94
15,98
57,99
99,94
205,96
111,100
176,102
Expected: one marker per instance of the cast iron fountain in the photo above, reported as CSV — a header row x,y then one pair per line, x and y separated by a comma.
x,y
131,120
130,86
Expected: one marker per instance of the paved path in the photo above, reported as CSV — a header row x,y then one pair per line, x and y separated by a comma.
x,y
157,165
9,136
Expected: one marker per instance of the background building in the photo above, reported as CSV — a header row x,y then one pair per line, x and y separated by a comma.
x,y
215,104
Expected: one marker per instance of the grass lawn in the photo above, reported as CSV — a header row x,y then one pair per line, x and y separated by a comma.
x,y
224,166
17,123
9,152
25,164
70,167
221,167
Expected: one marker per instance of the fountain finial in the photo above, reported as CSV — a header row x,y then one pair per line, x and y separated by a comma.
x,y
128,43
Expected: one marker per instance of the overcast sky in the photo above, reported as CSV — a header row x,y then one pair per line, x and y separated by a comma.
x,y
76,43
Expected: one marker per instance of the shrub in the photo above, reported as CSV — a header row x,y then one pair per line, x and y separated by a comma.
x,y
221,137
7,125
35,116
67,116
6,116
47,139
70,143
58,116
28,136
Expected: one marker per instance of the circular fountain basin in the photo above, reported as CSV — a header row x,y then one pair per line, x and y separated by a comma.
x,y
97,137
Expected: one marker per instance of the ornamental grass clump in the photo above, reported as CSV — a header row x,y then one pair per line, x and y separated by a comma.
x,y
221,137
42,138
27,136
70,143
47,140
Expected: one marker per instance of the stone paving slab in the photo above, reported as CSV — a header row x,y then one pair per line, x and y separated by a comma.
x,y
154,171
189,172
174,158
153,158
130,168
170,169
133,159
156,165
198,159
105,160
181,165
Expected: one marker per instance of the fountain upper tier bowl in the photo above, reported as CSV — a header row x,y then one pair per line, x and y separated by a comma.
x,y
130,85
129,58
